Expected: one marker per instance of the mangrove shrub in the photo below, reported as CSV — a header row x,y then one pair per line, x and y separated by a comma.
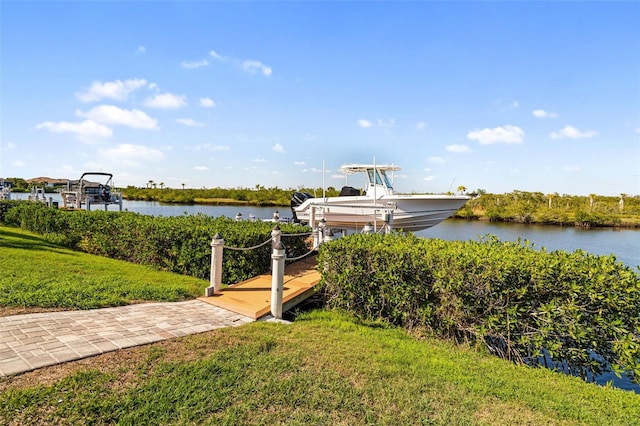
x,y
576,312
180,244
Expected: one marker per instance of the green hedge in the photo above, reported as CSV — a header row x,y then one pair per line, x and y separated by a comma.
x,y
580,310
180,244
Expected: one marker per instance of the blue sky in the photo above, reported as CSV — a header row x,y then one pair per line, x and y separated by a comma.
x,y
533,96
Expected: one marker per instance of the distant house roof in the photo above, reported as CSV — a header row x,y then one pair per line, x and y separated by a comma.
x,y
50,181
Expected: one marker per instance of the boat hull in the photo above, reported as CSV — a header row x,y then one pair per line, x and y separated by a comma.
x,y
407,213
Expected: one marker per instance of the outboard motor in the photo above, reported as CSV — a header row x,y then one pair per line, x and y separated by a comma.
x,y
105,193
296,199
349,191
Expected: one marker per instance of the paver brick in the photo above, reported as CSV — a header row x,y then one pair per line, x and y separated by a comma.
x,y
37,340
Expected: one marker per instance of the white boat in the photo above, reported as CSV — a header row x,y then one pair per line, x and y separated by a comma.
x,y
90,193
5,189
379,207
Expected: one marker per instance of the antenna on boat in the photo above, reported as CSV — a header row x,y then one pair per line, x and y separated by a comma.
x,y
375,195
450,186
324,195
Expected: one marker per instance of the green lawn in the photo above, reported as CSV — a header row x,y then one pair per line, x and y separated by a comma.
x,y
324,368
36,273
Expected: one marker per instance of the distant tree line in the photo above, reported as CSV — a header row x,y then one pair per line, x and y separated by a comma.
x,y
536,207
516,206
259,195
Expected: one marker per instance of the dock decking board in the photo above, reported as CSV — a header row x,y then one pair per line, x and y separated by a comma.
x,y
253,296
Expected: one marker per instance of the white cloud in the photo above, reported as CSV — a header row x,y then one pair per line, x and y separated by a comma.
x,y
364,123
131,155
637,129
110,114
166,101
428,178
386,124
194,64
248,65
11,145
278,148
190,122
202,168
117,90
213,54
458,148
87,130
142,50
18,163
436,160
256,66
572,133
421,125
299,163
209,147
540,113
507,134
259,160
207,103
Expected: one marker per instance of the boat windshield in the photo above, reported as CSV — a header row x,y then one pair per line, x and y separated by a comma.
x,y
380,177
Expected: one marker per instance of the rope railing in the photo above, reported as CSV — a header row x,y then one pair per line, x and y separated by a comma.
x,y
293,259
278,257
302,234
248,248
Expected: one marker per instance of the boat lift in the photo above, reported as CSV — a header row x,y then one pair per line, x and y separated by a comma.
x,y
88,193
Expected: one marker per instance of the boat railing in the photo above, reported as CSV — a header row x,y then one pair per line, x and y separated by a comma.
x,y
379,213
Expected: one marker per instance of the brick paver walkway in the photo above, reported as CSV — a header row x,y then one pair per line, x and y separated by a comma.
x,y
32,341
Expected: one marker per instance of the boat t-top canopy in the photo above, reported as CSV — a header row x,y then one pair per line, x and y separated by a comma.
x,y
110,175
361,168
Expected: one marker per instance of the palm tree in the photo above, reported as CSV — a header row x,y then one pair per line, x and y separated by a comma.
x,y
150,183
183,186
621,204
462,189
161,185
550,197
591,199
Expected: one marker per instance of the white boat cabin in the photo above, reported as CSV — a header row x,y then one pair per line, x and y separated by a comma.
x,y
379,183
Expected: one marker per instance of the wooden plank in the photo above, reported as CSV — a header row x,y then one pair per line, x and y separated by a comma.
x,y
253,296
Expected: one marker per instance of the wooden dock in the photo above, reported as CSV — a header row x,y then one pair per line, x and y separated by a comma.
x,y
253,296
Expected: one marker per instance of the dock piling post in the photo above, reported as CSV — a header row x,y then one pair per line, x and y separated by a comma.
x,y
217,248
277,280
275,236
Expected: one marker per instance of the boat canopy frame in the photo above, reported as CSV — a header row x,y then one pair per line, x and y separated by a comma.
x,y
376,173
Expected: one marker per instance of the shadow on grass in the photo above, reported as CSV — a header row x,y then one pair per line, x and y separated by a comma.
x,y
18,240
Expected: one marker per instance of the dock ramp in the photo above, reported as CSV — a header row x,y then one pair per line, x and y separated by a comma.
x,y
253,296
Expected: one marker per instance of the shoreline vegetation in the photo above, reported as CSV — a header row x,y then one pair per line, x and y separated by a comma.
x,y
594,210
516,207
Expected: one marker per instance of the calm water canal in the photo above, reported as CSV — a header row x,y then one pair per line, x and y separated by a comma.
x,y
623,243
